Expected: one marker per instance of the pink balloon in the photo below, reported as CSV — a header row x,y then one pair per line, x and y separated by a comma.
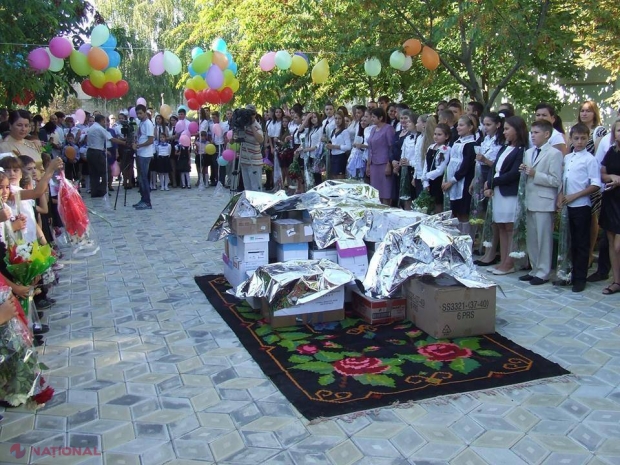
x,y
38,59
268,61
80,116
84,48
156,65
186,133
228,155
217,129
141,101
116,169
132,113
61,47
184,140
229,135
193,127
215,77
180,126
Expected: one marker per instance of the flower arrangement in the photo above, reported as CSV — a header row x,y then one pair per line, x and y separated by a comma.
x,y
26,261
477,199
267,165
72,210
487,229
424,203
294,171
519,234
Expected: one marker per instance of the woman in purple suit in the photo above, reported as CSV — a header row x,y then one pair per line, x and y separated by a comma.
x,y
378,166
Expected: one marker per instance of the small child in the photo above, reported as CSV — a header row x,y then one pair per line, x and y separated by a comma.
x,y
435,162
201,156
71,156
163,162
582,177
184,165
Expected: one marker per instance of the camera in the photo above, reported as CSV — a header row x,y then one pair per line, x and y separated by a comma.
x,y
128,129
241,119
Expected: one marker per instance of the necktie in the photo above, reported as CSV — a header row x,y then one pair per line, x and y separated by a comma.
x,y
536,153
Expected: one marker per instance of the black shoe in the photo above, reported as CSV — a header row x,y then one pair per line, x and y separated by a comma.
x,y
136,204
596,277
536,281
526,277
41,315
51,301
43,304
38,341
44,329
579,286
495,261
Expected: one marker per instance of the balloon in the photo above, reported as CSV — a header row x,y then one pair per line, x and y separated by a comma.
x,y
407,65
268,61
233,67
38,59
196,51
228,155
217,130
165,111
99,35
234,85
186,133
303,55
190,70
79,63
132,113
228,77
109,90
210,149
412,47
397,59
189,94
320,72
283,60
202,62
193,127
172,63
61,47
180,126
226,95
141,101
115,169
89,89
97,58
156,65
84,48
372,66
221,161
430,58
215,77
229,135
122,87
80,116
113,75
185,140
97,78
56,64
198,83
219,44
193,104
109,44
70,153
201,96
299,66
234,146
114,59
220,60
212,96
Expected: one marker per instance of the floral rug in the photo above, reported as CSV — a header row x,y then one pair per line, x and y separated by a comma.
x,y
332,369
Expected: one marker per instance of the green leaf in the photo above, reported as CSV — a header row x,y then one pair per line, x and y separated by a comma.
x,y
393,361
464,365
294,336
469,343
299,358
375,380
433,365
488,353
324,356
326,379
290,345
348,322
271,339
369,335
316,367
43,366
413,358
263,330
393,370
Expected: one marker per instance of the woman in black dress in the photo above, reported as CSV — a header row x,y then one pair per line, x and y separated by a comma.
x,y
609,219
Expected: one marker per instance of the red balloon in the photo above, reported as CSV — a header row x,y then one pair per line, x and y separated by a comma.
x,y
189,94
213,96
108,91
122,87
89,89
193,104
226,94
201,96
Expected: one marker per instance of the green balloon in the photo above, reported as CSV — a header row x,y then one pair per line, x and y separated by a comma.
x,y
202,62
79,63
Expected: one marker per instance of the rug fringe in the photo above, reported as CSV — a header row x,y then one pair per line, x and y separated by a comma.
x,y
446,399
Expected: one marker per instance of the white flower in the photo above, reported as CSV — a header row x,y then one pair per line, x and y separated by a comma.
x,y
487,244
517,254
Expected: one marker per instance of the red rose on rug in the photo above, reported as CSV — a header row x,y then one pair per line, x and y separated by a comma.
x,y
356,366
444,352
307,349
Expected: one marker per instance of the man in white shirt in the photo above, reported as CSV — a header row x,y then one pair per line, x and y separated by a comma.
x,y
328,124
144,153
98,139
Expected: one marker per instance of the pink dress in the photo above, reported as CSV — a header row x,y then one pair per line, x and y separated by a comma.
x,y
379,144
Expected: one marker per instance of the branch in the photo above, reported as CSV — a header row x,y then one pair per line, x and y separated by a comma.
x,y
467,51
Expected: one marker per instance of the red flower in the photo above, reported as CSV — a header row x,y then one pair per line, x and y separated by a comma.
x,y
44,396
307,349
355,366
443,352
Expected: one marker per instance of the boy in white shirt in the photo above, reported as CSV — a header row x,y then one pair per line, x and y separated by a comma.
x,y
581,178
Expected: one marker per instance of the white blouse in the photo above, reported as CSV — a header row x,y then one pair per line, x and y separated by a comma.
x,y
418,157
434,171
489,148
274,129
343,140
293,130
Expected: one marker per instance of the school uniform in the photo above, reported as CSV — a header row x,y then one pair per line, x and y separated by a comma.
x,y
435,163
541,192
460,171
504,180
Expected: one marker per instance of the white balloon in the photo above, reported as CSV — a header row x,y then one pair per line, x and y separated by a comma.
x,y
407,65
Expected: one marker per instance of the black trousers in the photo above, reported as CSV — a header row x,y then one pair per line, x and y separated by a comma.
x,y
579,224
98,171
604,262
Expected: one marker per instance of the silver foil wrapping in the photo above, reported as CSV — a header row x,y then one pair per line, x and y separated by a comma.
x,y
430,247
293,283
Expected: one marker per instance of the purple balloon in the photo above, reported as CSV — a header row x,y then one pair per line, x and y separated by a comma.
x,y
39,60
132,113
303,55
193,127
84,48
156,65
61,47
228,155
215,77
180,126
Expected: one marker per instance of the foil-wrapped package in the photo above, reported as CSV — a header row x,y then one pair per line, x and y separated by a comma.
x,y
293,283
430,247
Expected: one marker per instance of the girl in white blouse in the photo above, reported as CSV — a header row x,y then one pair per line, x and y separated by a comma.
x,y
311,130
340,146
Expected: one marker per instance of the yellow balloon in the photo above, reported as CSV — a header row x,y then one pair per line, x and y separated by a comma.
x,y
113,75
234,85
97,78
199,83
190,84
165,111
320,72
210,149
228,77
299,66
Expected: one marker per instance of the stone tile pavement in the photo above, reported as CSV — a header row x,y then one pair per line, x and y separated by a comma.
x,y
146,371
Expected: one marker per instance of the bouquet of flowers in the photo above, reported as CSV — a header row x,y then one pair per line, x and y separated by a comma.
x,y
26,261
519,234
564,265
72,210
318,159
424,203
267,165
294,171
487,229
446,195
20,371
477,199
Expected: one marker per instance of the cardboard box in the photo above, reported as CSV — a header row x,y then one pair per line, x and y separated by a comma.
x,y
278,321
324,254
289,231
242,226
296,251
352,255
333,300
250,249
445,308
376,311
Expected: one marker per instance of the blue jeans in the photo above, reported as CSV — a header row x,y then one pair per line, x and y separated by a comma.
x,y
143,179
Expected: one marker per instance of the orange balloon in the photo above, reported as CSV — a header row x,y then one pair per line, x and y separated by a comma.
x,y
70,153
430,58
220,60
98,59
412,47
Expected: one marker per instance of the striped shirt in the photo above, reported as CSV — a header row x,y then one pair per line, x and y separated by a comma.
x,y
250,152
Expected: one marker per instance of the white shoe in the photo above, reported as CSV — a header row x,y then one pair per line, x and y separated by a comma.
x,y
166,189
491,269
162,189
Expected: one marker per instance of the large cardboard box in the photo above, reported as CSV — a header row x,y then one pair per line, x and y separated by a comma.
x,y
376,311
296,251
278,321
324,254
315,311
243,226
251,249
352,255
445,308
289,231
